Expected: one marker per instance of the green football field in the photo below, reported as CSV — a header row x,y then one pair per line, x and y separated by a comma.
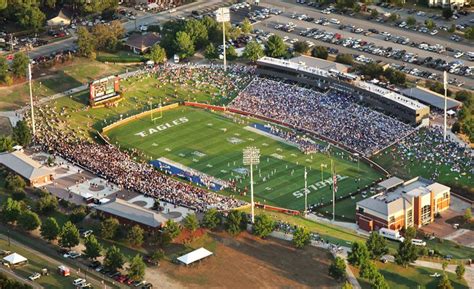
x,y
212,143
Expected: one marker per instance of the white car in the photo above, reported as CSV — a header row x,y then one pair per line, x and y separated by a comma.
x,y
458,54
418,242
34,276
435,275
434,32
78,282
87,233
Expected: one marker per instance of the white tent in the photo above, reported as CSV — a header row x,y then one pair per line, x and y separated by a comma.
x,y
152,6
14,258
194,256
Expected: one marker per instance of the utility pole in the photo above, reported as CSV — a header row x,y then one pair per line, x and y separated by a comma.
x,y
31,100
445,104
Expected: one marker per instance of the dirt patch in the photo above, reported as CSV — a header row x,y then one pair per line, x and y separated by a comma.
x,y
249,262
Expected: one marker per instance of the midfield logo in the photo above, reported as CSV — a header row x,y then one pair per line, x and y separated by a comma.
x,y
162,127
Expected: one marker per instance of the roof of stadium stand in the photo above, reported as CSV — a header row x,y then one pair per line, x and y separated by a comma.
x,y
430,97
23,165
319,63
408,102
194,256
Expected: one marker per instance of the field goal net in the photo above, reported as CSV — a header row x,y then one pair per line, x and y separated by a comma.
x,y
156,115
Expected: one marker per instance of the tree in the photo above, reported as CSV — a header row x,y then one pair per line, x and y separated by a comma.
x,y
376,245
191,222
47,204
276,47
50,3
109,227
263,226
379,282
210,51
157,255
157,54
85,42
93,248
467,215
393,17
444,265
358,255
11,211
430,24
447,13
469,33
114,259
301,47
444,282
29,221
107,36
371,70
374,13
345,59
136,271
394,76
411,21
15,183
69,236
19,65
78,214
50,229
253,51
233,224
184,45
21,133
172,229
456,127
320,52
135,236
30,16
410,233
3,69
210,219
368,270
460,270
301,237
197,31
6,144
230,53
346,285
337,269
246,26
406,253
464,96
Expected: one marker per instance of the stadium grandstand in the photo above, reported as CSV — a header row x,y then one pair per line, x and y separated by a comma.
x,y
390,102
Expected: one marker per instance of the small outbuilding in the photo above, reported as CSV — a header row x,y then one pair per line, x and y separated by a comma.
x,y
141,43
62,19
32,171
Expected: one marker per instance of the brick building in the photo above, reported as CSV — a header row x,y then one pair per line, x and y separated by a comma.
x,y
402,204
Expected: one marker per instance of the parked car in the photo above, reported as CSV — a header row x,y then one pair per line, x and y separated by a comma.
x,y
34,276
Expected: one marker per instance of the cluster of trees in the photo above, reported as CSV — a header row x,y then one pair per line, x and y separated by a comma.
x,y
18,68
101,37
465,123
6,283
362,256
31,14
374,70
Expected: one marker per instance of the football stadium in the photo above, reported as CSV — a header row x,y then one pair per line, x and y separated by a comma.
x,y
188,141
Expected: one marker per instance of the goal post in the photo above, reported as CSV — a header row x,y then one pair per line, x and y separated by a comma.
x,y
153,116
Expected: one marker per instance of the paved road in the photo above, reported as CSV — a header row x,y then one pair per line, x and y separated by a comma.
x,y
145,19
12,275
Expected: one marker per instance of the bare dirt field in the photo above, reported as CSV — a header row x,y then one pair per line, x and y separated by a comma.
x,y
249,262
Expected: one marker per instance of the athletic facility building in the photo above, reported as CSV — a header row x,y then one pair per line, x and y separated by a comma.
x,y
390,102
402,204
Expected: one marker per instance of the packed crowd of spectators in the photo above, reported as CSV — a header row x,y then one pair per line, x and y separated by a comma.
x,y
306,145
333,115
428,147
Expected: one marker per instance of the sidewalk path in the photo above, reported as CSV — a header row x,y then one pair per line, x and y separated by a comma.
x,y
468,276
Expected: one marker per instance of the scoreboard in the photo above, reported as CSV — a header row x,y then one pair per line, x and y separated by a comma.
x,y
104,90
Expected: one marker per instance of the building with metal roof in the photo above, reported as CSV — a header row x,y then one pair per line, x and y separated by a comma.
x,y
32,171
320,63
402,204
431,98
132,213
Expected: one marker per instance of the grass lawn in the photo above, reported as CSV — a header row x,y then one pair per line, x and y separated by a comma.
x,y
35,264
345,209
410,277
211,143
56,79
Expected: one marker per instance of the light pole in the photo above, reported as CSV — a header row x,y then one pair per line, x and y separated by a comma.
x,y
30,79
305,192
223,15
251,156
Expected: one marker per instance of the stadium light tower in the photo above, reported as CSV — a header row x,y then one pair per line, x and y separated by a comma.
x,y
223,15
251,156
30,79
445,82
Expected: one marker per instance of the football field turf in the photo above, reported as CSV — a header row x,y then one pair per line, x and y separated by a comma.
x,y
212,143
